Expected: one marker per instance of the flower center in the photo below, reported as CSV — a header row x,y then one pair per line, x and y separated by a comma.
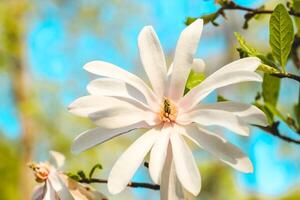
x,y
41,171
168,111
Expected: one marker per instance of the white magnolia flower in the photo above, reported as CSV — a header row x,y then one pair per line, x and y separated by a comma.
x,y
120,102
58,186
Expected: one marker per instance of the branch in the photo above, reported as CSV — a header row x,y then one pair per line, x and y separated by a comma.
x,y
273,130
131,184
230,5
233,6
287,75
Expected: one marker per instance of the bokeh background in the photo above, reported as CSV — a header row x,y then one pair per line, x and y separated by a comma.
x,y
43,46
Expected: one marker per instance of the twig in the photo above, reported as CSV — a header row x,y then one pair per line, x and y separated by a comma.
x,y
233,6
273,130
287,75
131,184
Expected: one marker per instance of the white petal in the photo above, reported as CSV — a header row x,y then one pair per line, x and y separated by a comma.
x,y
81,191
186,48
185,165
218,146
109,70
38,192
50,192
198,66
93,137
236,72
158,154
209,117
248,113
114,88
57,159
170,187
130,160
122,117
59,187
153,59
86,105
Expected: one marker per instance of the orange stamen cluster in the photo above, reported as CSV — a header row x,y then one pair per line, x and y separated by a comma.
x,y
168,112
41,171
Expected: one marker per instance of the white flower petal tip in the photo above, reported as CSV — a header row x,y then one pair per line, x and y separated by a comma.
x,y
93,137
245,165
153,59
186,168
198,65
184,55
127,164
57,159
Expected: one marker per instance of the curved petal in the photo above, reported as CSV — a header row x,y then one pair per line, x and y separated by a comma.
x,y
219,147
122,117
246,112
109,70
235,72
96,136
170,186
185,165
158,154
208,117
38,192
130,160
57,159
198,66
60,188
86,105
153,59
114,88
50,192
186,48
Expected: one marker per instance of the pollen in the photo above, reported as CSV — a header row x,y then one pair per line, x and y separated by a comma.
x,y
168,111
41,171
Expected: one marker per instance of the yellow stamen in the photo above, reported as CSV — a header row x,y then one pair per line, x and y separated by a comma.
x,y
168,111
41,171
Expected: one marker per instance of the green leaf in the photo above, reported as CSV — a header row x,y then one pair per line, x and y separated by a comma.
x,y
281,34
246,50
275,111
270,89
221,98
296,7
73,176
243,44
267,112
81,174
194,79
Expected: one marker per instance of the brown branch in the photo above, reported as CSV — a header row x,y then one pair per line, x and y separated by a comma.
x,y
287,75
131,184
251,11
273,130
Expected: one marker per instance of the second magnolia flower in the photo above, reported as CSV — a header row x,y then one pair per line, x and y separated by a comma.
x,y
120,102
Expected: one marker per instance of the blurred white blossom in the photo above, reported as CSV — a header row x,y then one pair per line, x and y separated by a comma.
x,y
55,185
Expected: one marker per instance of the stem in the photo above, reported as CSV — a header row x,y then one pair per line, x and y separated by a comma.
x,y
131,184
233,6
287,75
273,130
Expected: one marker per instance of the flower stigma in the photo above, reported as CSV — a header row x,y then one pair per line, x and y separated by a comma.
x,y
168,111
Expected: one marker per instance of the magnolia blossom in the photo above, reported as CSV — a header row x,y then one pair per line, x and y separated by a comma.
x,y
120,102
58,186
